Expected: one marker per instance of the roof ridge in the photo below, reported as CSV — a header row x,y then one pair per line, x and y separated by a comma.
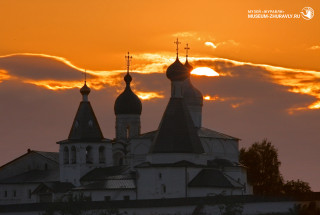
x,y
40,153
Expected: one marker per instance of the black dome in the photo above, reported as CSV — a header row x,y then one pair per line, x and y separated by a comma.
x,y
188,66
85,90
177,71
127,102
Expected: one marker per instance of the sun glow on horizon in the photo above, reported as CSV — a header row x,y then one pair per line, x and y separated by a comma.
x,y
212,98
204,71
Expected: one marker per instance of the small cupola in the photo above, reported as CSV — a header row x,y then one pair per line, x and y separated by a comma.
x,y
127,102
177,71
85,90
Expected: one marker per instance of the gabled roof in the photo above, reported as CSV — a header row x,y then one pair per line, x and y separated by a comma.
x,y
54,156
212,178
33,176
176,133
99,174
85,126
205,132
55,187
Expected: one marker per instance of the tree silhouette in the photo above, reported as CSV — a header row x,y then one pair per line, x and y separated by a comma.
x,y
263,168
297,187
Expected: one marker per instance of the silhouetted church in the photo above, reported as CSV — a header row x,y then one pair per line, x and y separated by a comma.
x,y
180,159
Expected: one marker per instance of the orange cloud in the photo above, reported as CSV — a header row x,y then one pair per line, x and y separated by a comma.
x,y
315,47
94,83
210,44
236,104
4,75
297,80
149,95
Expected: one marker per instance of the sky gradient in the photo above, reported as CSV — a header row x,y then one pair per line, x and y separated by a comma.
x,y
268,84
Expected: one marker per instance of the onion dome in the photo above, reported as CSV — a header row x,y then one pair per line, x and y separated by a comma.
x,y
188,66
85,90
177,71
127,102
191,94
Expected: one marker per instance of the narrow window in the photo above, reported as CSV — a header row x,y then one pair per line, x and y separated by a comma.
x,y
29,194
90,123
5,194
66,155
73,155
128,132
126,197
160,175
89,158
14,193
118,158
102,158
45,166
164,189
120,161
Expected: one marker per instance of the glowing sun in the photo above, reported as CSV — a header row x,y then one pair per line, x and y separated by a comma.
x,y
206,71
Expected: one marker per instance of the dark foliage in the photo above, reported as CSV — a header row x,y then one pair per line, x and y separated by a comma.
x,y
263,172
293,188
263,168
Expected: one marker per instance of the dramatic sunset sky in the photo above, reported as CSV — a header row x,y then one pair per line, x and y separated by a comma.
x,y
269,83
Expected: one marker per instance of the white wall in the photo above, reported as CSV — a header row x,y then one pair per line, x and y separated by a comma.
x,y
209,191
221,148
72,172
22,193
99,195
161,182
138,150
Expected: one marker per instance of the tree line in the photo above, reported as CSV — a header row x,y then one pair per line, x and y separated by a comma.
x,y
262,162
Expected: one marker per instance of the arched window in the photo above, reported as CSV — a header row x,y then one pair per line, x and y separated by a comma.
x,y
66,155
89,156
118,159
102,158
73,155
128,132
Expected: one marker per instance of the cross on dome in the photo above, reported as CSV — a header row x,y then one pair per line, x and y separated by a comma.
x,y
85,76
128,58
187,50
85,90
177,43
